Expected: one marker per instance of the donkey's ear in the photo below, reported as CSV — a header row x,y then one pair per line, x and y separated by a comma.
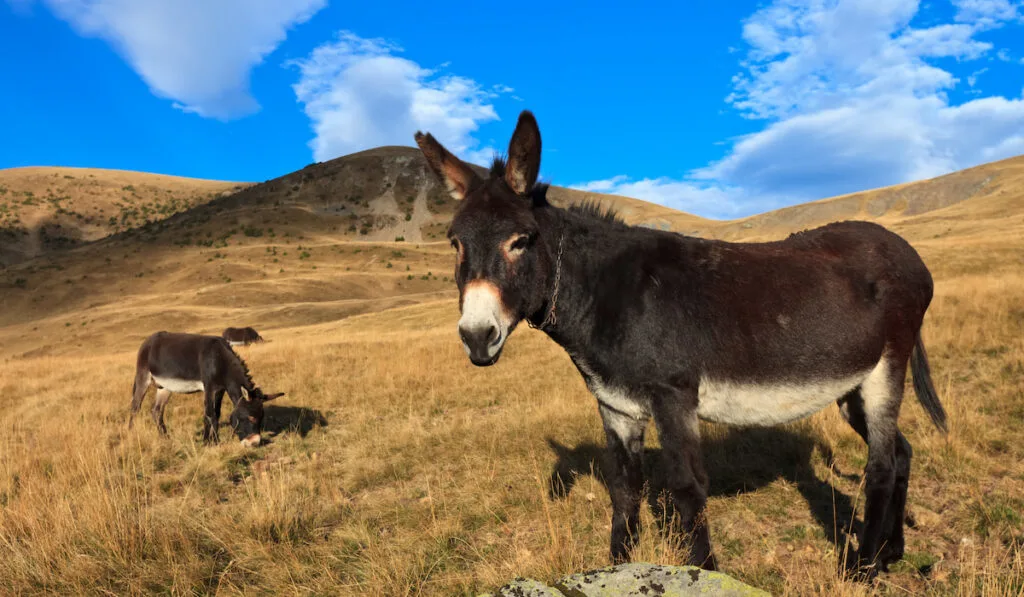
x,y
272,396
457,176
523,155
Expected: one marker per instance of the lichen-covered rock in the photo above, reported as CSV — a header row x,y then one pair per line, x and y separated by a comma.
x,y
525,587
647,580
634,580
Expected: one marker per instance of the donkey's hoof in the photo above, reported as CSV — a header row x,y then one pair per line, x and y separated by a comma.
x,y
862,572
709,563
620,553
890,554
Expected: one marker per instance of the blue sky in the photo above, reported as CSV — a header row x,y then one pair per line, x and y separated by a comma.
x,y
718,108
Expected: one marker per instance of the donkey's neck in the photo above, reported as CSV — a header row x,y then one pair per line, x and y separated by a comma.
x,y
238,371
593,247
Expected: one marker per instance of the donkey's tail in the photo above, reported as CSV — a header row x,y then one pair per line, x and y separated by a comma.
x,y
923,386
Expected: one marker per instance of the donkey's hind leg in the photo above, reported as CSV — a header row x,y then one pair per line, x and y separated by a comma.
x,y
162,396
872,411
892,550
139,388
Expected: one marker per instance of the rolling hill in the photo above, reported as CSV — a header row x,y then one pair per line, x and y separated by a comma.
x,y
44,209
397,468
337,238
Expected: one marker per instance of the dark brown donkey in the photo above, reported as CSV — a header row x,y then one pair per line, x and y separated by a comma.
x,y
241,336
191,363
677,328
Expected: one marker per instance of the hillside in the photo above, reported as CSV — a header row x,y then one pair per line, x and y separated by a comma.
x,y
44,209
347,236
996,181
397,468
277,251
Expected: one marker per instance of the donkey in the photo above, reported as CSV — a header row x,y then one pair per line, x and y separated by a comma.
x,y
241,336
191,363
680,328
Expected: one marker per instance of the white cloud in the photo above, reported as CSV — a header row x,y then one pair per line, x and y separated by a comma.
x,y
198,53
359,94
878,113
852,98
986,13
806,56
972,79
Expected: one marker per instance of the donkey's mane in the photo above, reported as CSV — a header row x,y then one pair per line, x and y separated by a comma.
x,y
498,166
592,208
589,208
241,363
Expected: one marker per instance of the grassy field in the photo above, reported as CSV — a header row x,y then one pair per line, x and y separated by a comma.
x,y
397,468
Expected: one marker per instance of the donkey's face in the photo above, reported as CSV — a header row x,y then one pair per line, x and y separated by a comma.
x,y
247,417
499,270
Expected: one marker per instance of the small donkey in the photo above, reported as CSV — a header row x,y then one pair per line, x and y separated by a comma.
x,y
190,363
241,336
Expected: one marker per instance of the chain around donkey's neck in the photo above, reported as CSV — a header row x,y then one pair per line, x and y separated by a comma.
x,y
550,318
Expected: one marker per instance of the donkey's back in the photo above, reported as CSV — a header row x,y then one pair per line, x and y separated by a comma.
x,y
175,360
869,250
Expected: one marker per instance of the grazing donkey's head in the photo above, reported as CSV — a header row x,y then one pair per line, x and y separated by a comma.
x,y
502,265
247,417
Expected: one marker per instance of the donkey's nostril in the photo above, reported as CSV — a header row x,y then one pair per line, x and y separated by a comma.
x,y
480,338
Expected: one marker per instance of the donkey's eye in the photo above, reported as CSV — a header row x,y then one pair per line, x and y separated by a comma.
x,y
515,245
519,243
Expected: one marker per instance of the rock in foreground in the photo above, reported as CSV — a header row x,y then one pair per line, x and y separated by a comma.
x,y
629,580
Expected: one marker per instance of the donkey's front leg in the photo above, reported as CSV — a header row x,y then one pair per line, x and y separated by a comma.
x,y
211,417
625,436
675,414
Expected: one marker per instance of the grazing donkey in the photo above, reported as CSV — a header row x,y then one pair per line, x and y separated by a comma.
x,y
241,336
682,328
190,363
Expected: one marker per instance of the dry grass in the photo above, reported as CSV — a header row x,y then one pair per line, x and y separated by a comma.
x,y
397,468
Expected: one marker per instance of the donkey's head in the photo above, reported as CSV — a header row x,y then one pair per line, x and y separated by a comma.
x,y
502,264
247,417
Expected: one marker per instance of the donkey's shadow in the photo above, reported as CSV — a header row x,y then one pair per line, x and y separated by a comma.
x,y
291,419
737,461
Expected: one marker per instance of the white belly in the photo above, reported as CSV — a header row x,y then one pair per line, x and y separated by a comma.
x,y
179,386
769,404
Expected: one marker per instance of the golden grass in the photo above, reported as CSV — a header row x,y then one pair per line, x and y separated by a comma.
x,y
397,468
433,477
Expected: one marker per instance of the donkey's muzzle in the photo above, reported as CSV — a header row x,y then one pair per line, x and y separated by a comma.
x,y
482,343
252,441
